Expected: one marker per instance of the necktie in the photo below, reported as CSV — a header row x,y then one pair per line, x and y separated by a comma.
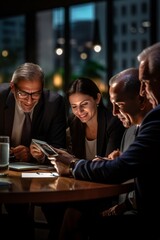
x,y
26,130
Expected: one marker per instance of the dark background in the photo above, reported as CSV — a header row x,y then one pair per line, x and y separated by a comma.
x,y
14,7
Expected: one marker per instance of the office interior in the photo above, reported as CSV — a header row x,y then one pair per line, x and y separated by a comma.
x,y
72,38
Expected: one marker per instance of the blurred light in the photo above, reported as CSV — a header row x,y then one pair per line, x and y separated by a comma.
x,y
83,56
59,51
103,87
5,53
59,47
97,48
96,37
61,40
57,80
146,24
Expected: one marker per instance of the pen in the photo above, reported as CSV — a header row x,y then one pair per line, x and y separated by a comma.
x,y
56,174
50,174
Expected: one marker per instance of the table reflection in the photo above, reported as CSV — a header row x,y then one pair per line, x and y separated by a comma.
x,y
57,189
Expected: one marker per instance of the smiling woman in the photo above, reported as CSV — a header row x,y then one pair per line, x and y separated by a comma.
x,y
97,129
93,131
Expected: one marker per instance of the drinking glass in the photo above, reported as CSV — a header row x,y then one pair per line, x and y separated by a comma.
x,y
4,155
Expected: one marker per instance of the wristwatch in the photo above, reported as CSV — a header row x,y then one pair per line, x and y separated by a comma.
x,y
72,166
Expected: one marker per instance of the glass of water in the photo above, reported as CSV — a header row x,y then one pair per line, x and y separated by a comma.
x,y
4,155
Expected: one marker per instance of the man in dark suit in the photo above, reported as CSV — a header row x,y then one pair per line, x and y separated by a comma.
x,y
26,94
140,162
131,108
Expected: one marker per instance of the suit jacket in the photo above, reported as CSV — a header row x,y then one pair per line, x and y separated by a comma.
x,y
128,138
110,132
49,116
141,161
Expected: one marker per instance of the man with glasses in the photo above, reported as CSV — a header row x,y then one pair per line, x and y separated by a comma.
x,y
26,94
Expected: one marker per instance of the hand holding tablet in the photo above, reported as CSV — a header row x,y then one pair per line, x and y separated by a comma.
x,y
45,148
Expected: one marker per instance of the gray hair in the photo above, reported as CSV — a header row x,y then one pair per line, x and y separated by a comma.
x,y
28,72
150,58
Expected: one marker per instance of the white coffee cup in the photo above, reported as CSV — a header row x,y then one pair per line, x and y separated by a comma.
x,y
4,155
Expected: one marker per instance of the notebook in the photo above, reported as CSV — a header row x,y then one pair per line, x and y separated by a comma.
x,y
22,166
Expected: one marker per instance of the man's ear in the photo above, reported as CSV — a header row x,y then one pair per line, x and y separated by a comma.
x,y
142,100
12,86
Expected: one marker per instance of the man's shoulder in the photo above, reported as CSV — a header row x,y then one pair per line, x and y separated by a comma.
x,y
4,86
152,116
4,91
154,111
157,108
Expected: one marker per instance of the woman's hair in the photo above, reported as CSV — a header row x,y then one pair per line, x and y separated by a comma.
x,y
85,86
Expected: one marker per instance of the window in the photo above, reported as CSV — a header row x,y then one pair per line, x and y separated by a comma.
x,y
71,30
12,45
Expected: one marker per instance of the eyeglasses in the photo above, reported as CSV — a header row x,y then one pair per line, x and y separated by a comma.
x,y
25,95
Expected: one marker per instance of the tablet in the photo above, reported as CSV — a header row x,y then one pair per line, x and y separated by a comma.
x,y
45,148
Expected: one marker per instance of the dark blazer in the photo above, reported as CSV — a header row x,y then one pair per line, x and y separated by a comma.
x,y
49,116
110,132
141,161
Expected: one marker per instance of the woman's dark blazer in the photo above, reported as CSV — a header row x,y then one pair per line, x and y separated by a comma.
x,y
49,116
110,132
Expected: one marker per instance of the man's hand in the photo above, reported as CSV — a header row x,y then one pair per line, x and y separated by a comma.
x,y
99,158
62,162
37,153
21,153
114,154
118,209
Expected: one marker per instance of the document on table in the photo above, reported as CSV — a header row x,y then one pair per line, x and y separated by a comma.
x,y
39,174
